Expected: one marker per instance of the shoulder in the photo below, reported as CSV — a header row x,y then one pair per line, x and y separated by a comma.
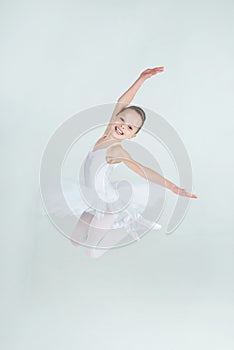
x,y
117,151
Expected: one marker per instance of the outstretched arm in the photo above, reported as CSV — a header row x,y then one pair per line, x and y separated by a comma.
x,y
147,173
125,99
155,177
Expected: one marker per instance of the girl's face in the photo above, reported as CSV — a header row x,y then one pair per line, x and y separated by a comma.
x,y
125,124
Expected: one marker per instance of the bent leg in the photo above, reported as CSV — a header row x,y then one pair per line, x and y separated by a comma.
x,y
79,234
97,230
110,239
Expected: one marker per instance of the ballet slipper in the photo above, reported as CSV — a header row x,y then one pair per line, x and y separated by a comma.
x,y
95,253
149,224
127,222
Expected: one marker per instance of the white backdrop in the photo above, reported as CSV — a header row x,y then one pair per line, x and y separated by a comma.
x,y
165,292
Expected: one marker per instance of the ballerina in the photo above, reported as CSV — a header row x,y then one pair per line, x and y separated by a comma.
x,y
94,228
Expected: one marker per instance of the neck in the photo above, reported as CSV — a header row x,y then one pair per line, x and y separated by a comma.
x,y
110,140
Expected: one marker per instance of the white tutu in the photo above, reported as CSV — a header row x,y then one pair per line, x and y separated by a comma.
x,y
94,192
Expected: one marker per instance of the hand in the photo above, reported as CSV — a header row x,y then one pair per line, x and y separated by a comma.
x,y
148,73
182,192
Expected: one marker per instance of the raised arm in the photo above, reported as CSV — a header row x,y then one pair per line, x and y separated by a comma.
x,y
125,99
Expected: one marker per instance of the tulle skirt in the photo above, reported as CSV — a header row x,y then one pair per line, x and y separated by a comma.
x,y
82,198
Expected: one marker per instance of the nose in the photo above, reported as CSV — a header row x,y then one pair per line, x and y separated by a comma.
x,y
122,126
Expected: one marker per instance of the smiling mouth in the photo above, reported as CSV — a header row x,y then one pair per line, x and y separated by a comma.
x,y
118,131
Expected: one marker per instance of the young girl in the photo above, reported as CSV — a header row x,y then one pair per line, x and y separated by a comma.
x,y
95,228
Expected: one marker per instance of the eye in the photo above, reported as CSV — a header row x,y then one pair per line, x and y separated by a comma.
x,y
122,119
130,127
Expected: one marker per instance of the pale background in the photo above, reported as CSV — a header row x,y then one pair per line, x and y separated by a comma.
x,y
166,292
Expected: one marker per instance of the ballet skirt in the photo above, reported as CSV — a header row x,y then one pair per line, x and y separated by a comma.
x,y
95,192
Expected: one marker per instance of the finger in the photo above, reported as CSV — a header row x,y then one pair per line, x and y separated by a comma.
x,y
192,195
156,70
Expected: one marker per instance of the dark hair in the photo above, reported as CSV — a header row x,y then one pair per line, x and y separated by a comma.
x,y
139,111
